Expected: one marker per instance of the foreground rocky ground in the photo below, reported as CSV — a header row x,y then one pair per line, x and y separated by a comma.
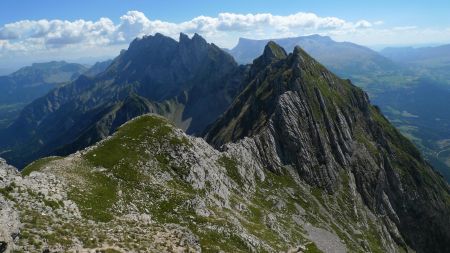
x,y
151,188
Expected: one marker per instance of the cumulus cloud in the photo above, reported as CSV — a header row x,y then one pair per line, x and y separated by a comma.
x,y
363,24
57,33
61,33
62,37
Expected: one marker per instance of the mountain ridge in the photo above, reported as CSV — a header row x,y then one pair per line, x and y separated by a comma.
x,y
318,125
382,75
317,170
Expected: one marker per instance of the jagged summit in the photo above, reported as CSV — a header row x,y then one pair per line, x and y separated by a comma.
x,y
191,82
272,52
292,98
196,38
271,79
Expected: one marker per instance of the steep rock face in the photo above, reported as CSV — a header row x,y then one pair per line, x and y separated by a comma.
x,y
298,114
285,103
190,81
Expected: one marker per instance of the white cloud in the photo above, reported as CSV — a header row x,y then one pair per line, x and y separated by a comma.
x,y
83,37
404,28
363,24
60,33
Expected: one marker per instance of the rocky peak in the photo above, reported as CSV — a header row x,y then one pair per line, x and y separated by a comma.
x,y
194,49
183,38
297,114
274,74
199,39
298,51
191,82
195,40
272,53
148,41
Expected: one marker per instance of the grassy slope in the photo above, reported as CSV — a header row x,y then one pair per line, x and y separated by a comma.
x,y
121,171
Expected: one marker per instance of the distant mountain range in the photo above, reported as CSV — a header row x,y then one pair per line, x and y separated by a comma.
x,y
438,55
431,62
347,59
97,68
28,83
5,71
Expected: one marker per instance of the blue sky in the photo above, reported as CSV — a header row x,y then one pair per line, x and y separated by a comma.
x,y
394,12
42,30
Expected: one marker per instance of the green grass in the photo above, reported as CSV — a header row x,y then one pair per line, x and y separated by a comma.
x,y
37,165
231,166
96,200
373,237
213,241
125,149
6,192
110,251
53,204
120,157
254,220
312,248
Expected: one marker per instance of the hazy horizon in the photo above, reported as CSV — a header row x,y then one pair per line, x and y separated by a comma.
x,y
7,68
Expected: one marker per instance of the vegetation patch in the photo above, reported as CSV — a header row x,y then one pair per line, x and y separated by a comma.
x,y
231,166
114,165
213,241
6,192
96,199
37,165
312,248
